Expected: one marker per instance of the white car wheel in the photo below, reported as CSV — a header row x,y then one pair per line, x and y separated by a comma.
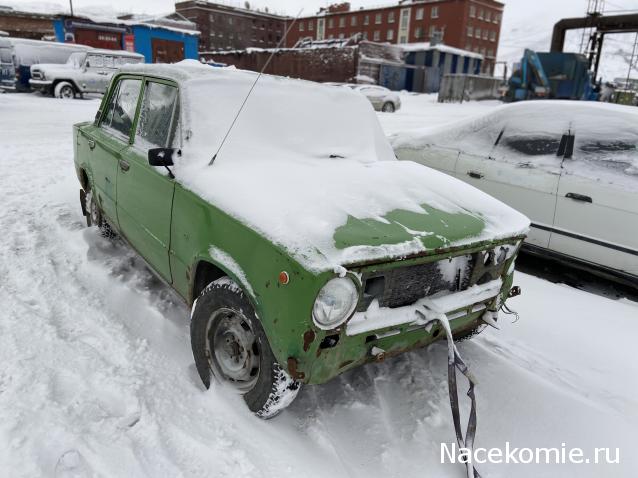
x,y
64,89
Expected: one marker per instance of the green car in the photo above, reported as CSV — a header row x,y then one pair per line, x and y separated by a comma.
x,y
284,219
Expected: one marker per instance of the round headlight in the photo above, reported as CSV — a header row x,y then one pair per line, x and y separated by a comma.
x,y
335,303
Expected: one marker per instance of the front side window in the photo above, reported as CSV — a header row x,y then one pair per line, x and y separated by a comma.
x,y
156,124
120,112
108,62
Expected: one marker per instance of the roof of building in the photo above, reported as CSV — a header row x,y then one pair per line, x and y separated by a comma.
x,y
426,46
157,21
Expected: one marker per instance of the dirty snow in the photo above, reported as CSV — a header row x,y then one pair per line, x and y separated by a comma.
x,y
96,374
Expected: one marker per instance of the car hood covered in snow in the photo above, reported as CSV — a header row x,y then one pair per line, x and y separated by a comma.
x,y
309,168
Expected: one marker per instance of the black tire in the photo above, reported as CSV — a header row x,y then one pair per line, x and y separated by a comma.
x,y
65,90
266,391
94,216
388,107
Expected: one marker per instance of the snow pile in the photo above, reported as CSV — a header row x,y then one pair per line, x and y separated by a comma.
x,y
97,376
303,159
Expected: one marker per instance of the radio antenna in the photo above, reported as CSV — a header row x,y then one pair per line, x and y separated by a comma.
x,y
241,108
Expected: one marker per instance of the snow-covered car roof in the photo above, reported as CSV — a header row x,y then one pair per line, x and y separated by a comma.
x,y
103,51
603,131
304,160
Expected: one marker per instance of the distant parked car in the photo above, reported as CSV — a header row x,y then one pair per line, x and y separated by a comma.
x,y
84,72
18,54
382,99
572,167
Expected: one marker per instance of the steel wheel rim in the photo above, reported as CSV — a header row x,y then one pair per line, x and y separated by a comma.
x,y
233,349
93,212
66,92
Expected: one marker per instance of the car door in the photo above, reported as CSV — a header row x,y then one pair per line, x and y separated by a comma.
x,y
597,207
93,74
109,139
145,193
105,75
523,172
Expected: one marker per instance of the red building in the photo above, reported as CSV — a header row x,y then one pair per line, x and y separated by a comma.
x,y
473,25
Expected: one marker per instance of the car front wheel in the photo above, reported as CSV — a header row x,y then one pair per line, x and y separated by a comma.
x,y
388,107
230,345
65,90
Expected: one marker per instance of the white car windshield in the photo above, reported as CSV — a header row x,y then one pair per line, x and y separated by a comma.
x,y
76,59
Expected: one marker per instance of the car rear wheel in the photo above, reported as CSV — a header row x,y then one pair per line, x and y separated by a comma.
x,y
230,345
388,107
64,90
93,214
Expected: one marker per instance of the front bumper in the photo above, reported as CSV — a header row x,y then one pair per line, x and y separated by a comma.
x,y
36,83
403,330
7,86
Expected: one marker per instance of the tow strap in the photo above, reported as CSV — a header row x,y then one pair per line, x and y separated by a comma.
x,y
455,361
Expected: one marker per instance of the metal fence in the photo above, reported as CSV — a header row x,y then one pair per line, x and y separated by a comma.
x,y
459,88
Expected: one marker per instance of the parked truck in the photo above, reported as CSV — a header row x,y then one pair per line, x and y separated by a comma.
x,y
551,75
18,54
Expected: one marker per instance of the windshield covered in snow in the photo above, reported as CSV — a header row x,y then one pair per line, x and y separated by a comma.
x,y
282,120
76,59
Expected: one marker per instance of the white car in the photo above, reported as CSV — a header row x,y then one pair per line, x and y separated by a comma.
x,y
382,99
84,72
571,167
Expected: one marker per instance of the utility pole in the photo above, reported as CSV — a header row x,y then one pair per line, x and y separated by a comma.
x,y
71,4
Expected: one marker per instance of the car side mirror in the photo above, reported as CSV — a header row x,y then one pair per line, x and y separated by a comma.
x,y
160,157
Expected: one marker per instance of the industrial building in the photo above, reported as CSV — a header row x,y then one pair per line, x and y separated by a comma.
x,y
472,25
224,27
162,39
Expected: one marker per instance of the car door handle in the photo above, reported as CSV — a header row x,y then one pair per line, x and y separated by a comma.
x,y
475,175
124,166
579,197
91,144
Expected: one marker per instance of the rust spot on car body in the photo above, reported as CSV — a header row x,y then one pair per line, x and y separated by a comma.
x,y
308,338
292,369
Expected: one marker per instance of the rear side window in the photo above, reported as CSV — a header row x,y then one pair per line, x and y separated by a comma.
x,y
120,112
158,114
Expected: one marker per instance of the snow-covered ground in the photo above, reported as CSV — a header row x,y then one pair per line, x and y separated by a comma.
x,y
96,374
